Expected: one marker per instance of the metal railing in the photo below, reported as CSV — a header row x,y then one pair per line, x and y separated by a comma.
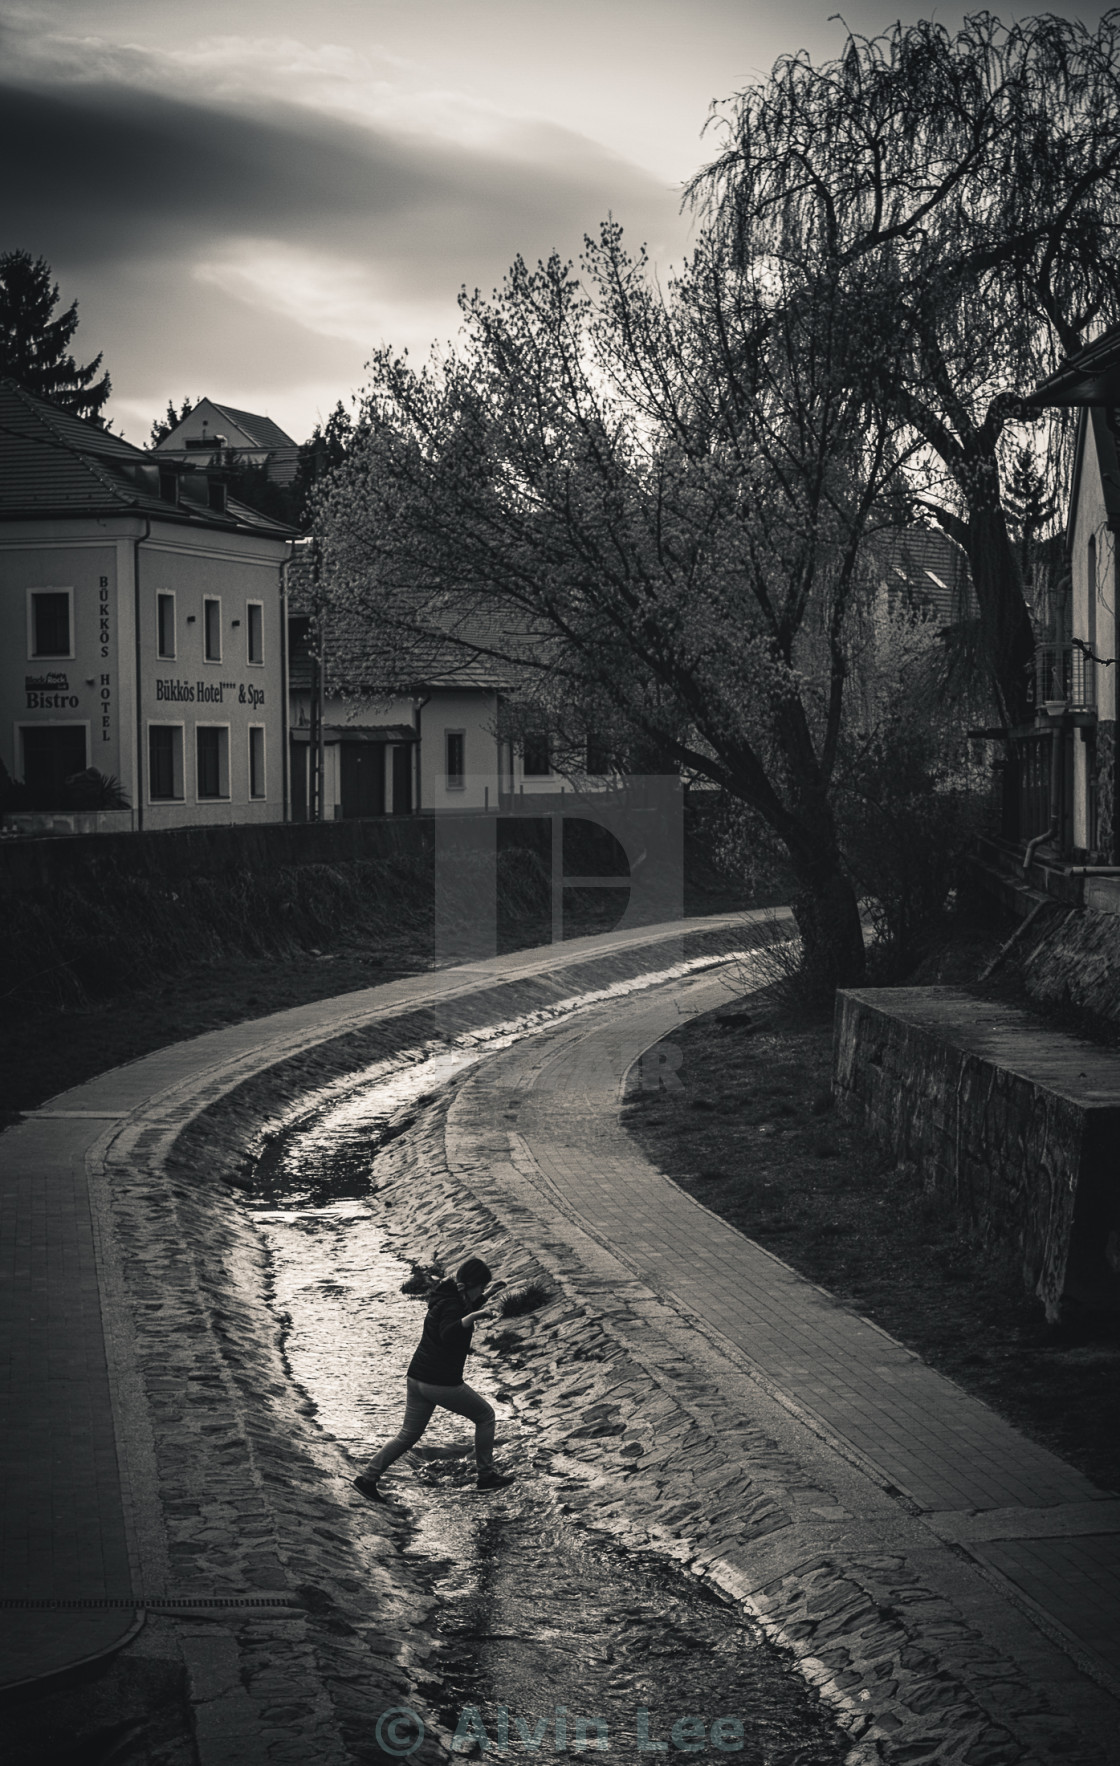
x,y
1065,674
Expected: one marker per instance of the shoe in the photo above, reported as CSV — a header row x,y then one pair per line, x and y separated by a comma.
x,y
368,1487
494,1481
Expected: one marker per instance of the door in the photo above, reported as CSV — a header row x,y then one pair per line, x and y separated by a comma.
x,y
402,779
362,779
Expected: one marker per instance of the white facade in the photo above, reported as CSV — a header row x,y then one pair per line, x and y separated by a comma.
x,y
1093,622
189,715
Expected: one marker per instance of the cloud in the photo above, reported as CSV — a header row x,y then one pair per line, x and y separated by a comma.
x,y
276,239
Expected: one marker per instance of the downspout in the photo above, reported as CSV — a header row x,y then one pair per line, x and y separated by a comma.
x,y
1052,832
285,689
419,740
137,543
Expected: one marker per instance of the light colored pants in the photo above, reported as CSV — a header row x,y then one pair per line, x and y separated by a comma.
x,y
420,1403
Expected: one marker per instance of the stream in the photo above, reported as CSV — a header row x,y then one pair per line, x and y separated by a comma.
x,y
552,1638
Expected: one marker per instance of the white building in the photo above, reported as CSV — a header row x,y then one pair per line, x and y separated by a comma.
x,y
212,431
142,629
433,750
1077,663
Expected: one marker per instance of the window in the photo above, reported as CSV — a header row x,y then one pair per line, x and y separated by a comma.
x,y
212,749
256,760
165,625
455,743
216,494
255,634
165,762
52,753
537,761
212,630
598,756
50,622
168,484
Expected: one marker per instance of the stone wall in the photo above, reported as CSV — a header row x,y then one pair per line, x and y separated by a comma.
x,y
1074,959
1105,767
1015,1126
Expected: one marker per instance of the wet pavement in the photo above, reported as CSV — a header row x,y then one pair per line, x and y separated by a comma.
x,y
552,1637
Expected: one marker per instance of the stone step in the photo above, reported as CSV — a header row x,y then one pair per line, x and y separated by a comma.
x,y
1015,1124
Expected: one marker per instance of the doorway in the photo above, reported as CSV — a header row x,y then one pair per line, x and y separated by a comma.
x,y
361,779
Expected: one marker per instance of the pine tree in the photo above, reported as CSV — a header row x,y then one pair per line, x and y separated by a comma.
x,y
163,426
33,344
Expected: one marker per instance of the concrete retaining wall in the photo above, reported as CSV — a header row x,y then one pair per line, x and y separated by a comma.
x,y
1016,1126
31,866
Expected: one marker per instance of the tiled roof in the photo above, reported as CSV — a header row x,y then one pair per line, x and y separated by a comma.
x,y
924,568
261,430
358,733
348,639
52,464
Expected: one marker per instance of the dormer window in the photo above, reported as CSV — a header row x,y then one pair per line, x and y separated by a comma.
x,y
216,495
168,485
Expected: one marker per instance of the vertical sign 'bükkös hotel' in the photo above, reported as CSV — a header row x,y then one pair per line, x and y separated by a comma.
x,y
141,627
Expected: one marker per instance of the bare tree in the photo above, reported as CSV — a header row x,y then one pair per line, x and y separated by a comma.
x,y
646,509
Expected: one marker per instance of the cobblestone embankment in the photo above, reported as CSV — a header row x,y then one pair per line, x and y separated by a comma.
x,y
299,1620
674,1460
665,1440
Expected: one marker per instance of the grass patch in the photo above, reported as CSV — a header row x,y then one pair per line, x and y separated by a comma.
x,y
766,1153
520,1301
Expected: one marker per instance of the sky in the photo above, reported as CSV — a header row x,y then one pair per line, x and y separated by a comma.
x,y
248,197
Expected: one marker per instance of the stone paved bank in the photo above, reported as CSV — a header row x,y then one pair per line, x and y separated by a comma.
x,y
664,1437
683,1454
298,1620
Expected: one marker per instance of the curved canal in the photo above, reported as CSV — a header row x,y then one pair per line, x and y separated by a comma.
x,y
552,1638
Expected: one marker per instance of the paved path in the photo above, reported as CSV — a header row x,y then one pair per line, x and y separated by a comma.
x,y
1038,1532
74,1525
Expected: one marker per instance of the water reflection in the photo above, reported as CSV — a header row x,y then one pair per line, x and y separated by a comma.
x,y
553,1637
333,1154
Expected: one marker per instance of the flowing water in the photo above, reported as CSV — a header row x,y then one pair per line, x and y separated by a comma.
x,y
553,1638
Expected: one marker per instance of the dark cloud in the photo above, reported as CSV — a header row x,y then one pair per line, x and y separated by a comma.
x,y
104,171
133,197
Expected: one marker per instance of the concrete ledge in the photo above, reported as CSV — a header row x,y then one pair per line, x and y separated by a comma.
x,y
1015,1125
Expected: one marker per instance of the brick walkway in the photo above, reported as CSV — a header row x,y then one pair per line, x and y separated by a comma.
x,y
76,1522
1038,1532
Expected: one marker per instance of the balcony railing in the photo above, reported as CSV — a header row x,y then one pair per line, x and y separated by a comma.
x,y
1065,674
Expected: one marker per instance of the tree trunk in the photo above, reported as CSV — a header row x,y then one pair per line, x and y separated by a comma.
x,y
827,916
1005,623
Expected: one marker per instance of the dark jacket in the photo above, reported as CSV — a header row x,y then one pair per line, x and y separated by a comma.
x,y
446,1342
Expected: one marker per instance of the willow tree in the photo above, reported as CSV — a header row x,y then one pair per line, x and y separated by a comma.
x,y
646,509
965,192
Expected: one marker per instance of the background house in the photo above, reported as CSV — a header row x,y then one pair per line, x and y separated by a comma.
x,y
211,430
922,571
1069,782
434,749
142,629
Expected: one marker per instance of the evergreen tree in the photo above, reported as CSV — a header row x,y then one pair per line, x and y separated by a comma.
x,y
163,426
33,344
